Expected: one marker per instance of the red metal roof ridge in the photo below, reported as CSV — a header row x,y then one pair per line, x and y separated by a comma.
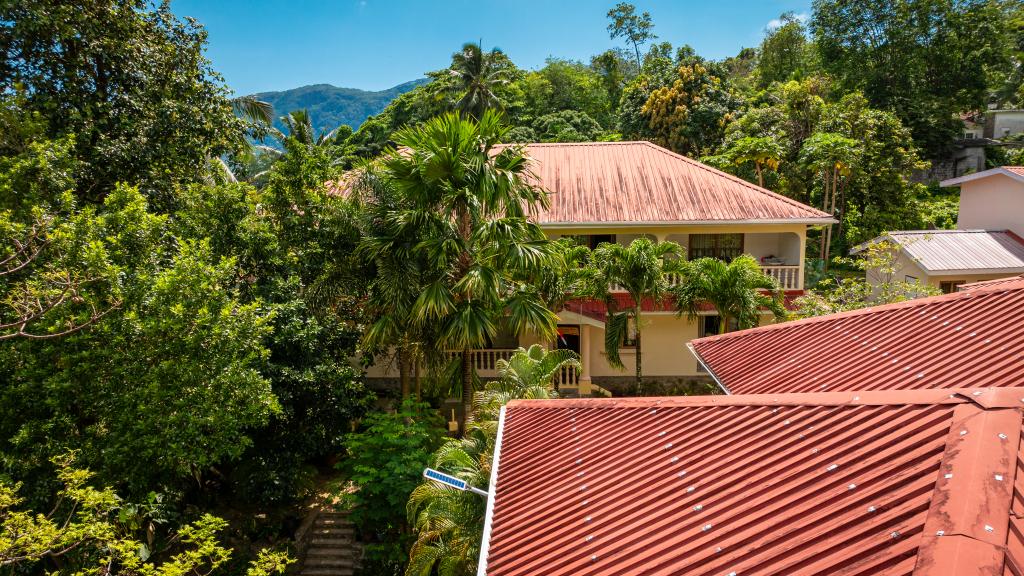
x,y
968,522
984,398
736,179
913,303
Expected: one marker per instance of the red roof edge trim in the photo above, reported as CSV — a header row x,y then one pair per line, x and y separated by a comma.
x,y
968,519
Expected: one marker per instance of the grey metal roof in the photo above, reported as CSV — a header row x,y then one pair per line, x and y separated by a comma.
x,y
953,251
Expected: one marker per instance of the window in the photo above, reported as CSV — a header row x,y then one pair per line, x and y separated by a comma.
x,y
910,279
969,135
951,286
721,246
593,240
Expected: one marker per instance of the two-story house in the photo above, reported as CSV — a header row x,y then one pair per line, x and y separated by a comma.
x,y
987,244
620,191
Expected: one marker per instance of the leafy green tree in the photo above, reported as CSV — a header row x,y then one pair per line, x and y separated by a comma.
x,y
565,86
762,152
785,53
479,76
470,205
616,70
881,283
528,373
643,270
637,29
926,60
690,115
129,82
739,290
386,458
566,126
87,532
832,156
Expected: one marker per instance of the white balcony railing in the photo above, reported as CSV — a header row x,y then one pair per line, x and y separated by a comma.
x,y
485,361
787,276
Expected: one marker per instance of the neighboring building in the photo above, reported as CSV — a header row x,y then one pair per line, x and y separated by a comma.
x,y
1000,124
920,482
620,191
988,242
946,259
971,338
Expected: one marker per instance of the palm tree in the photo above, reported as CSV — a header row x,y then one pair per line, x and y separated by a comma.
x,y
449,523
643,271
479,74
469,205
528,373
739,290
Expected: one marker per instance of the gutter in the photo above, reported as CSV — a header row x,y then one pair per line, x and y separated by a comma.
x,y
680,223
485,543
704,364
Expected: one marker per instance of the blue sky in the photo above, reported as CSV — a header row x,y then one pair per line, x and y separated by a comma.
x,y
261,45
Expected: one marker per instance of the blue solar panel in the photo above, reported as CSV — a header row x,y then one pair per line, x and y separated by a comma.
x,y
444,478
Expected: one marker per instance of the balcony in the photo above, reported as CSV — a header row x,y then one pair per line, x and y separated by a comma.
x,y
788,278
485,363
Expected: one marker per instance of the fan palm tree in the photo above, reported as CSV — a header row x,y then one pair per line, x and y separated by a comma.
x,y
739,291
469,204
449,523
479,74
528,373
643,271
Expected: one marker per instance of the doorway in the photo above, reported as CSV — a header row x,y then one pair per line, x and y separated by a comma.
x,y
568,338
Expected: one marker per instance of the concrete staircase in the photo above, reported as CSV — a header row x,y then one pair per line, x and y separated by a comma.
x,y
330,548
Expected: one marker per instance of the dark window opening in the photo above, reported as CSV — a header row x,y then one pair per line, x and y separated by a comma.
x,y
722,246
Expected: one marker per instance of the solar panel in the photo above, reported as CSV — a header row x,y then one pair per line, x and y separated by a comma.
x,y
443,478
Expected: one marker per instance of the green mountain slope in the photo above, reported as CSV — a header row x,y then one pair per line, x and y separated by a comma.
x,y
331,106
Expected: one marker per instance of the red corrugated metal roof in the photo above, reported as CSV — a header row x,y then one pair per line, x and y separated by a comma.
x,y
970,338
867,483
987,283
638,182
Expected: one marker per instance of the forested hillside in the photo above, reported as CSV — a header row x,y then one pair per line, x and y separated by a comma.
x,y
332,106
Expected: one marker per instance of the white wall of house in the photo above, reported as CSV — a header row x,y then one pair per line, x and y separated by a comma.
x,y
992,203
1006,122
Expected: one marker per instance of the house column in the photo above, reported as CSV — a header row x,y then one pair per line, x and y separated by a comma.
x,y
584,359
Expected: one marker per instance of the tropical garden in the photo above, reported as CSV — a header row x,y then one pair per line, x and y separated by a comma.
x,y
189,296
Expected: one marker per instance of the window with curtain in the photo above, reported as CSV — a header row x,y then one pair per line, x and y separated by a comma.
x,y
721,246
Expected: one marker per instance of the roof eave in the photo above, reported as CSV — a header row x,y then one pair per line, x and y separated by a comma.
x,y
707,367
492,488
979,175
676,223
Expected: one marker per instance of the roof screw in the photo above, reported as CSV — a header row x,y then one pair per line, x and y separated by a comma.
x,y
1002,436
855,398
977,392
894,535
587,519
582,488
662,433
593,558
948,476
851,486
999,477
585,502
831,467
731,574
989,528
698,507
675,459
690,489
718,549
871,508
667,446
940,533
589,538
683,473
707,527
654,410
580,474
963,432
785,423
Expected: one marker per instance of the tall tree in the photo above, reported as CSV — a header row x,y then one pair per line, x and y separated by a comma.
x,y
637,29
785,53
926,60
739,290
643,270
479,74
470,202
129,81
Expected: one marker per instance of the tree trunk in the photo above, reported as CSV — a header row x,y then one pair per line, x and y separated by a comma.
x,y
723,323
416,377
760,179
403,372
639,356
467,389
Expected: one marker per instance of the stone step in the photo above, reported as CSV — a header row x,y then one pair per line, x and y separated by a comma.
x,y
332,571
332,552
332,522
332,531
327,561
331,541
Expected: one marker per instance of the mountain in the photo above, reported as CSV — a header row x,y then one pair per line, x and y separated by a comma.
x,y
331,106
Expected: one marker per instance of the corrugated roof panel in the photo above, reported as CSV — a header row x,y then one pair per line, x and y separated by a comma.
x,y
792,484
639,182
970,338
954,250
